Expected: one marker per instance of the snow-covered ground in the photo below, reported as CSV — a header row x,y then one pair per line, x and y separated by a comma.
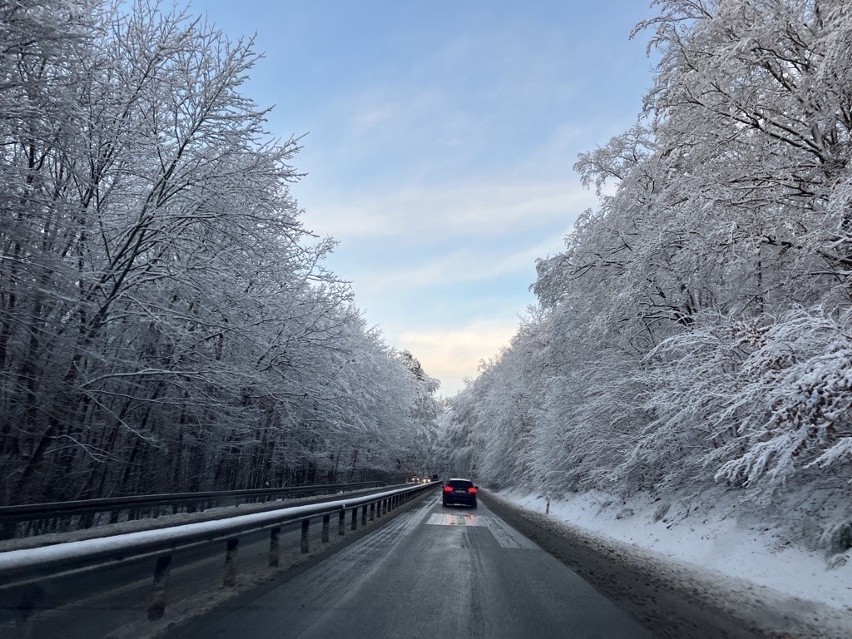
x,y
714,540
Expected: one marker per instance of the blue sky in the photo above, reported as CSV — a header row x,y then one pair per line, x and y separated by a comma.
x,y
439,140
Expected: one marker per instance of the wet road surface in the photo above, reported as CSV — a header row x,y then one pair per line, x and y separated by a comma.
x,y
431,572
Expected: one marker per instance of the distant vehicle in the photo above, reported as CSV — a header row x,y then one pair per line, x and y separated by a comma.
x,y
435,477
459,491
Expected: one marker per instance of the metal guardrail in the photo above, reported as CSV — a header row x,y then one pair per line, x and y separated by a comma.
x,y
22,567
34,519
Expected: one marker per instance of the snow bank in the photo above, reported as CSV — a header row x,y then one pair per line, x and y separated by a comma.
x,y
716,541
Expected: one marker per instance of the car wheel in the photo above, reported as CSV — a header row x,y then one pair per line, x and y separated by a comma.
x,y
445,504
473,505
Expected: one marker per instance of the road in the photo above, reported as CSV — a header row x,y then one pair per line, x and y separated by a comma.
x,y
423,571
431,572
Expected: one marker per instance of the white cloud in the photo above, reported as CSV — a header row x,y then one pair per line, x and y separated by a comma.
x,y
453,354
433,212
461,266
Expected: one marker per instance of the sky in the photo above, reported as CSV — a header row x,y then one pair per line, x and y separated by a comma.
x,y
438,143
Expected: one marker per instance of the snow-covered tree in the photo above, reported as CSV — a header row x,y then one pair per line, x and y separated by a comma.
x,y
165,319
694,331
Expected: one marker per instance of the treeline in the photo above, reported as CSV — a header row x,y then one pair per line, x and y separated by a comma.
x,y
696,331
165,319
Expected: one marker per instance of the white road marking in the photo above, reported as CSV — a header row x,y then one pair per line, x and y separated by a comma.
x,y
452,519
504,535
508,537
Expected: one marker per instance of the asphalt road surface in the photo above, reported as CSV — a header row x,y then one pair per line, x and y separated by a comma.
x,y
431,572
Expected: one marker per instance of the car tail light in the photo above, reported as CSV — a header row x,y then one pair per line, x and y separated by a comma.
x,y
472,490
448,489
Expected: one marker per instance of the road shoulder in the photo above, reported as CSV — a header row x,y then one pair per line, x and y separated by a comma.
x,y
670,599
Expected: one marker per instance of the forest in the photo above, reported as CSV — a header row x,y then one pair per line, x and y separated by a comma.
x,y
166,321
694,337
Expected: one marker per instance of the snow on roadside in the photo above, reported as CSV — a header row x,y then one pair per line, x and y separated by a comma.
x,y
715,541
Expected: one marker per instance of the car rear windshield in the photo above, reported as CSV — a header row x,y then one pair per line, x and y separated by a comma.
x,y
460,483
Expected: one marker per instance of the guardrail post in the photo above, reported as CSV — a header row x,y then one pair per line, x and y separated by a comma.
x,y
354,524
372,511
341,521
161,580
325,526
273,547
364,515
306,525
231,548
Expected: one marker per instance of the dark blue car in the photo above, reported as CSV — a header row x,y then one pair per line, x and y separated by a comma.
x,y
459,491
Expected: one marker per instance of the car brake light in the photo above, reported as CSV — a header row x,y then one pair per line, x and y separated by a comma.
x,y
472,490
448,489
